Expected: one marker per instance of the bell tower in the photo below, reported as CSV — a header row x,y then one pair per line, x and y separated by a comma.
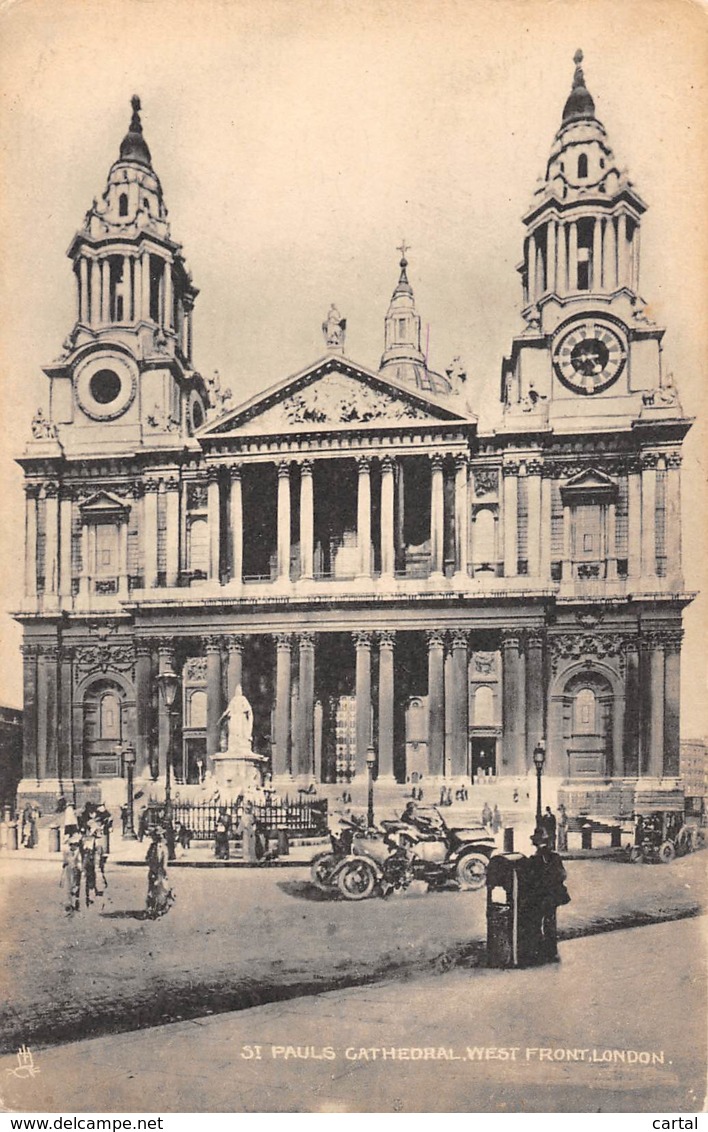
x,y
588,348
126,365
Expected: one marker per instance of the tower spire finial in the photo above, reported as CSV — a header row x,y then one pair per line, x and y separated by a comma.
x,y
580,103
578,77
135,123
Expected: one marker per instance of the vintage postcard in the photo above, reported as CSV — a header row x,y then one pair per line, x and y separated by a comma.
x,y
353,709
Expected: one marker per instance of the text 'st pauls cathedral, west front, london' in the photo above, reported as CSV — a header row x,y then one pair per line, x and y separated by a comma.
x,y
349,546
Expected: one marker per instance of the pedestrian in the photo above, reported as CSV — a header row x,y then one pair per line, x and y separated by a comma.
x,y
90,859
515,795
104,822
71,872
562,829
496,820
160,896
30,816
448,798
548,822
546,892
251,843
443,796
486,815
222,834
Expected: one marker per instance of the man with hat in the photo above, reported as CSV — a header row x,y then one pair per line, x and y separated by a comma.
x,y
546,891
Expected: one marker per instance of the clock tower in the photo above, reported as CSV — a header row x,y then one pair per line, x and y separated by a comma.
x,y
588,348
125,378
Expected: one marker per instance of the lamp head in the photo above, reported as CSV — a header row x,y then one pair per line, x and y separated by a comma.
x,y
129,755
370,757
539,755
167,682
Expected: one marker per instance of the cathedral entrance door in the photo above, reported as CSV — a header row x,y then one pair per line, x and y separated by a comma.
x,y
483,757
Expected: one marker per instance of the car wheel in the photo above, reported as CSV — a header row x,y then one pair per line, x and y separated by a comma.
x,y
356,880
667,852
471,871
321,868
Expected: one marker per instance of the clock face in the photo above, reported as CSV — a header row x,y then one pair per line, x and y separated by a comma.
x,y
589,358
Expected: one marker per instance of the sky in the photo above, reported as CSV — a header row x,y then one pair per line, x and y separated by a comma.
x,y
298,142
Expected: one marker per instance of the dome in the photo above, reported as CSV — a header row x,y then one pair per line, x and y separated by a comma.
x,y
580,102
134,147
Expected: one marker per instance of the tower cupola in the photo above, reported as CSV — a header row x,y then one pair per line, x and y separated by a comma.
x,y
403,358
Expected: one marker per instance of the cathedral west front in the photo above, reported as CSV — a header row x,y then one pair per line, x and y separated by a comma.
x,y
349,546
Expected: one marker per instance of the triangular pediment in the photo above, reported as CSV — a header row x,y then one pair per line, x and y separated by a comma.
x,y
102,503
590,481
335,393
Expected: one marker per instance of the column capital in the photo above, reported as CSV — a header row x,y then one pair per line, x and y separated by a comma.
x,y
235,472
212,643
306,467
362,638
171,483
629,644
31,490
534,467
435,638
51,652
166,648
363,464
143,646
388,464
459,638
306,642
511,638
436,462
511,468
461,461
661,639
213,473
674,459
235,642
283,469
51,489
634,465
283,642
151,486
648,460
535,637
387,639
66,654
29,650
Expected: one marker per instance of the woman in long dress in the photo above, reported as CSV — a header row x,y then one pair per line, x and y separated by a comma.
x,y
159,894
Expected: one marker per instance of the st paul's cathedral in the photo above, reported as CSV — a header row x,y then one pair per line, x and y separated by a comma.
x,y
373,568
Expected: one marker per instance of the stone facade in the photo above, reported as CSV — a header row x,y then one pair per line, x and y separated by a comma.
x,y
349,545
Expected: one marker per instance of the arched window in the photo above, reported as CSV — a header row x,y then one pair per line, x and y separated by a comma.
x,y
199,546
585,712
197,709
484,706
583,165
483,537
109,716
123,204
416,729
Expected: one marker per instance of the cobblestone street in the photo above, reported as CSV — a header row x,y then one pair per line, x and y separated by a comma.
x,y
238,938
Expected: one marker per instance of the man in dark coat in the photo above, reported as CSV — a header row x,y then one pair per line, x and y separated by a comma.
x,y
545,891
548,822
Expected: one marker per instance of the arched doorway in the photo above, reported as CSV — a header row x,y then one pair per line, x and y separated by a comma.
x,y
588,711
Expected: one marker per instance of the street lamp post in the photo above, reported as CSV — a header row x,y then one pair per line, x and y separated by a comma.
x,y
167,683
370,764
539,758
129,763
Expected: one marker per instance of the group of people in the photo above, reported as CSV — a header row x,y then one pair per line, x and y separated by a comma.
x,y
254,843
29,835
556,828
491,818
86,849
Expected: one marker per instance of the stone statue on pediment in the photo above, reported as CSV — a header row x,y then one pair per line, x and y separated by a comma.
x,y
334,329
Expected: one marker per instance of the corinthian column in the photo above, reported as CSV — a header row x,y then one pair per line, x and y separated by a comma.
x,y
649,461
215,706
307,521
437,517
436,702
511,491
283,679
459,730
214,513
236,521
362,642
461,516
284,521
513,704
30,540
305,733
387,520
363,517
387,640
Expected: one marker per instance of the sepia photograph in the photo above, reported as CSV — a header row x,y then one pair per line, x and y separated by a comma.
x,y
353,683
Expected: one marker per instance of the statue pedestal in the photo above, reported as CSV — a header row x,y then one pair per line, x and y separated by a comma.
x,y
237,769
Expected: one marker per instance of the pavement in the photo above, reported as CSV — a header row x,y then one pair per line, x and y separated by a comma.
x,y
616,1026
238,938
